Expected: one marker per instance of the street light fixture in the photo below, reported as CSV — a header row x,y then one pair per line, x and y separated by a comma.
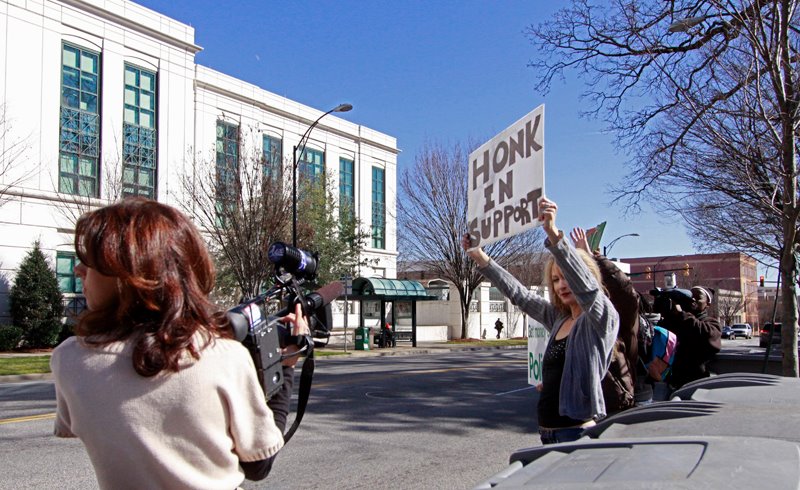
x,y
607,248
301,145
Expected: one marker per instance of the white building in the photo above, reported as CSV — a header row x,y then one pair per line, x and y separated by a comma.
x,y
92,88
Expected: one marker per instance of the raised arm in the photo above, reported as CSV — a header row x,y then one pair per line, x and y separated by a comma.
x,y
536,307
582,283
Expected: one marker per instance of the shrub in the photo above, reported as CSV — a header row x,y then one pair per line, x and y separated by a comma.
x,y
10,337
36,300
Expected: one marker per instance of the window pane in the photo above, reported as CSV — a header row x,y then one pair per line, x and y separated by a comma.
x,y
65,284
130,116
86,167
86,187
70,77
66,185
70,98
89,83
131,96
88,102
148,82
131,76
89,62
71,56
146,119
147,101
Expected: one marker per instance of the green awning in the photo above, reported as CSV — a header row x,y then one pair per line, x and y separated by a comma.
x,y
389,289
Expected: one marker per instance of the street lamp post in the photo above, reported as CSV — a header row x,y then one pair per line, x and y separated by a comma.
x,y
301,145
607,248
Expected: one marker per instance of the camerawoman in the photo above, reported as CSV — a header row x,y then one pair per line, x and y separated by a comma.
x,y
154,383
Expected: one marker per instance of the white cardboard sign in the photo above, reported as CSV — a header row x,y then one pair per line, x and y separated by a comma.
x,y
538,337
506,180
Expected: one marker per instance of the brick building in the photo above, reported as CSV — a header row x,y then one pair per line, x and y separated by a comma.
x,y
733,275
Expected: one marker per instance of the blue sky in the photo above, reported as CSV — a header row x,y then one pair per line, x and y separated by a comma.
x,y
445,71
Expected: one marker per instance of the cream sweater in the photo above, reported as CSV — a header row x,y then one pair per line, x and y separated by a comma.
x,y
187,429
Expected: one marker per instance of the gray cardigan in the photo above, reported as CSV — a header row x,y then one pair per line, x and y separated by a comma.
x,y
591,339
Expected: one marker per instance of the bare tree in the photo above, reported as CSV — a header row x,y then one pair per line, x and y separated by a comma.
x,y
12,150
432,218
244,208
705,93
242,199
729,304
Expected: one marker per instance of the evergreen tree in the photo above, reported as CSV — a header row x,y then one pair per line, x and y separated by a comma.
x,y
36,300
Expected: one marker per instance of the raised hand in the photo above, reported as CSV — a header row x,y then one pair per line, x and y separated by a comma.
x,y
578,236
547,215
477,254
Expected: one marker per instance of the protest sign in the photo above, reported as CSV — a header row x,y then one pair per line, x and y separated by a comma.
x,y
506,180
537,343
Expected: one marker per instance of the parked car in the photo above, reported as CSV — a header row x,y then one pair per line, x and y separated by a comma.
x,y
764,337
728,333
743,330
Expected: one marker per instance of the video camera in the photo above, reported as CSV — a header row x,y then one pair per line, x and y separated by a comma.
x,y
263,333
663,299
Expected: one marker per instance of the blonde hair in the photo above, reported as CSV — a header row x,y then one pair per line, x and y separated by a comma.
x,y
590,263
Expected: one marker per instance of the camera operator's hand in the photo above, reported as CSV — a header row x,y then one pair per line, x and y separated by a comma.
x,y
299,328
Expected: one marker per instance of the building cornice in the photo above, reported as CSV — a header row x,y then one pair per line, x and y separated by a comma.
x,y
291,116
134,26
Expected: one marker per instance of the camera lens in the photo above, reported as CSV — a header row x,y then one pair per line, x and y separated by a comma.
x,y
292,259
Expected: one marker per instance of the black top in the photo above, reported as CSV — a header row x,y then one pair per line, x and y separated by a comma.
x,y
552,369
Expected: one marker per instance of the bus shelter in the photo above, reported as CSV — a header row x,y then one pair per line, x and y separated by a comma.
x,y
373,294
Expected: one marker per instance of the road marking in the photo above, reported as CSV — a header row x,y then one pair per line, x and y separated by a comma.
x,y
29,418
514,391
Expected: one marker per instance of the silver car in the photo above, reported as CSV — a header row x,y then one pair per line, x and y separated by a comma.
x,y
742,330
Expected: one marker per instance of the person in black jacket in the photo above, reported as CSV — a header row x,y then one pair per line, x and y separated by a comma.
x,y
699,337
620,380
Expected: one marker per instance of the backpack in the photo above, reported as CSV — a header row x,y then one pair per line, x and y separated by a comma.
x,y
658,362
645,339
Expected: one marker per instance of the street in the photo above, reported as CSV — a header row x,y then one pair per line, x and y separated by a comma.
x,y
434,421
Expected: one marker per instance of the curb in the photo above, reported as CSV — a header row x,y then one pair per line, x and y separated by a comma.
x,y
22,378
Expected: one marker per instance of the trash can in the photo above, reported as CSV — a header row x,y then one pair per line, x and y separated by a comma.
x,y
361,338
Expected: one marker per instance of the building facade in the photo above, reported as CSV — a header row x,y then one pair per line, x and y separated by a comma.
x,y
103,98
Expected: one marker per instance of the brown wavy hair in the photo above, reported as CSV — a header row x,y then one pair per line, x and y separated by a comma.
x,y
164,275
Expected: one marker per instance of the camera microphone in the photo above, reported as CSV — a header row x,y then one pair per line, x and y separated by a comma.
x,y
324,295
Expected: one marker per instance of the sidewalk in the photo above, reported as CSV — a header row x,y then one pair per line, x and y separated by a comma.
x,y
422,348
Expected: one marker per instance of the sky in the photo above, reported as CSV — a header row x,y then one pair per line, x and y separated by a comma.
x,y
429,71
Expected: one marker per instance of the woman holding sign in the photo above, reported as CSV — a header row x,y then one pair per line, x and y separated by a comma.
x,y
583,327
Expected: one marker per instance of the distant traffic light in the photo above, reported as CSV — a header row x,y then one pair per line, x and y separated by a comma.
x,y
686,270
761,281
648,272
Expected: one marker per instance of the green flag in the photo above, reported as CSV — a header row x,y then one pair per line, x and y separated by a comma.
x,y
594,235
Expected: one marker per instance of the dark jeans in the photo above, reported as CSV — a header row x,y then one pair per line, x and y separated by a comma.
x,y
554,436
